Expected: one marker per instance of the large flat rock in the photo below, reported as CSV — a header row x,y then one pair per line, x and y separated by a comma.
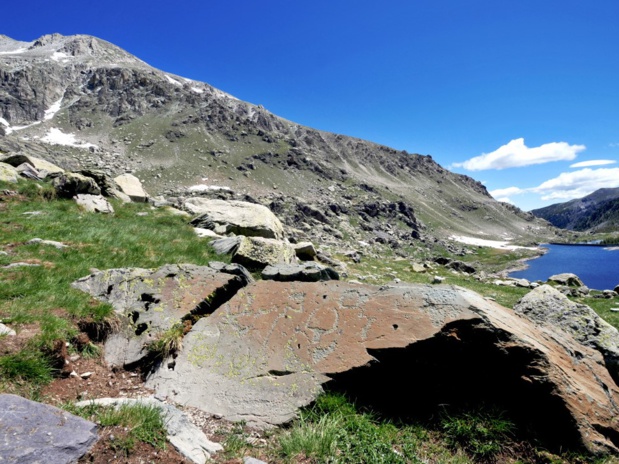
x,y
257,353
34,433
269,350
236,217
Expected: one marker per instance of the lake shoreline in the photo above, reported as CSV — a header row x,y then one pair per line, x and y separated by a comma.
x,y
591,263
523,263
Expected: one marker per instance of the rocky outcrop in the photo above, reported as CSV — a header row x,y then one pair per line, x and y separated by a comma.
x,y
151,302
297,336
235,217
267,349
567,278
548,306
42,166
306,272
33,433
8,173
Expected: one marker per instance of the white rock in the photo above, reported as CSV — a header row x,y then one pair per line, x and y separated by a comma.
x,y
131,186
4,330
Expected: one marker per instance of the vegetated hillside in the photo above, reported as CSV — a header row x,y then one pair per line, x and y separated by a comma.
x,y
82,102
597,212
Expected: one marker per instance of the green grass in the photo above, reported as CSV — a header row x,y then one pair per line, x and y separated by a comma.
x,y
144,423
169,342
481,432
42,295
26,366
379,271
334,431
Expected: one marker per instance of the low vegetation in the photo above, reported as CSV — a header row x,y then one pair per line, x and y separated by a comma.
x,y
36,297
37,300
335,430
133,423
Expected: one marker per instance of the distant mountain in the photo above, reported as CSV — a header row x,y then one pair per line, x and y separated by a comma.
x,y
597,212
82,102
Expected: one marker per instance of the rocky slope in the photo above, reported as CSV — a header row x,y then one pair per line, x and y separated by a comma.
x,y
597,212
82,102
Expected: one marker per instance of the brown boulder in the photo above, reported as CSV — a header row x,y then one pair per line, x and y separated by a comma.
x,y
270,349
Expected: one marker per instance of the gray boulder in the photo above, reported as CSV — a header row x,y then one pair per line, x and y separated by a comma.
x,y
234,269
8,173
35,433
226,245
259,252
305,251
94,203
108,186
69,184
235,217
306,272
569,279
132,187
151,302
547,305
29,172
43,167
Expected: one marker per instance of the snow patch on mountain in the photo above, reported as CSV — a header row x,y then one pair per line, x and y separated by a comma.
x,y
173,81
60,56
14,52
57,137
51,112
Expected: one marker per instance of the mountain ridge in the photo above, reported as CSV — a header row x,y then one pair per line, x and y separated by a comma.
x,y
176,133
596,212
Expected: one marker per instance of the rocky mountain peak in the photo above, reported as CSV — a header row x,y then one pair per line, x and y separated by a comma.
x,y
62,95
47,39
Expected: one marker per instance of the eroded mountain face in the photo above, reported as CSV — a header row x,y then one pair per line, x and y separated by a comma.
x,y
82,102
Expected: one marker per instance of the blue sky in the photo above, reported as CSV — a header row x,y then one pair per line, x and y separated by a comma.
x,y
517,94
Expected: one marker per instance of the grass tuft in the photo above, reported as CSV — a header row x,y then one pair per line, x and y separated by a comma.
x,y
482,432
144,423
169,342
26,366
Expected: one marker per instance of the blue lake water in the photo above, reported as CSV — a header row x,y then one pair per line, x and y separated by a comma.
x,y
597,267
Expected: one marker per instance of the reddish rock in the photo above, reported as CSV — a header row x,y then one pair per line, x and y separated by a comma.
x,y
269,350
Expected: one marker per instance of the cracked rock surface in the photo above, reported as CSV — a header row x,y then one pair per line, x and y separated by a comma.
x,y
266,349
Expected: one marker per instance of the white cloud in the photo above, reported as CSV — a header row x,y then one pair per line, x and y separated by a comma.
x,y
577,184
517,154
506,192
586,164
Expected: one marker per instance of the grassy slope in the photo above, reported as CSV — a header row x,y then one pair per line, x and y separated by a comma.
x,y
40,297
137,236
